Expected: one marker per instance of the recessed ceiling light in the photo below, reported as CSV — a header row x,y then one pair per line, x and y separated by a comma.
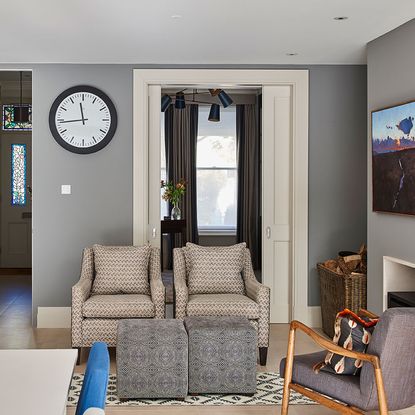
x,y
176,16
292,54
340,18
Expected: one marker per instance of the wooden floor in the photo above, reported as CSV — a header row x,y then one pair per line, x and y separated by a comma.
x,y
16,333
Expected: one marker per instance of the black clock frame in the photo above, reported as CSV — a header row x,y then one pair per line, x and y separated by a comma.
x,y
100,94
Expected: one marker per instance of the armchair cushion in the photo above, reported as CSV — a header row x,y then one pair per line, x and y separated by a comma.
x,y
215,270
118,306
121,269
222,305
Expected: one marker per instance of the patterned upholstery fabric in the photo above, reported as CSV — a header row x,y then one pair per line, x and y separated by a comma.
x,y
99,329
222,305
222,355
180,286
215,270
157,289
121,269
152,359
87,330
256,291
118,306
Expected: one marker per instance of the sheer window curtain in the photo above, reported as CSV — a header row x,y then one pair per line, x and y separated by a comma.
x,y
249,180
181,128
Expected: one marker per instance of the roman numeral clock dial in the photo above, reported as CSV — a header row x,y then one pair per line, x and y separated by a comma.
x,y
83,119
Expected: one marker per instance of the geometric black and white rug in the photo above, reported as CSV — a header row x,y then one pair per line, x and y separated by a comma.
x,y
269,392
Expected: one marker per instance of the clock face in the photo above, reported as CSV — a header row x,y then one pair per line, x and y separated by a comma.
x,y
83,119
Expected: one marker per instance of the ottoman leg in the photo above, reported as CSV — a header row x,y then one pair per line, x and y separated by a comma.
x,y
263,353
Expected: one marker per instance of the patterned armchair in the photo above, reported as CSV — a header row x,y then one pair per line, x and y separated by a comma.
x,y
254,303
95,316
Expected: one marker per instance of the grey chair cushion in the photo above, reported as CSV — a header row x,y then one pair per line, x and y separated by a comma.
x,y
215,270
345,388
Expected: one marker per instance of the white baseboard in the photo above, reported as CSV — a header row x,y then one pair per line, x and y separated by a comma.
x,y
311,316
60,317
53,317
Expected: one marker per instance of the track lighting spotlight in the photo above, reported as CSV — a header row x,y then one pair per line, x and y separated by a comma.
x,y
214,114
225,99
180,103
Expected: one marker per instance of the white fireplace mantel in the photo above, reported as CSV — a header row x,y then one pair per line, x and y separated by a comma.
x,y
398,275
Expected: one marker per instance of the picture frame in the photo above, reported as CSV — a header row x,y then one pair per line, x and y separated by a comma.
x,y
393,159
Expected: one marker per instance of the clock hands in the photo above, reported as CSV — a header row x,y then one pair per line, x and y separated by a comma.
x,y
82,113
83,121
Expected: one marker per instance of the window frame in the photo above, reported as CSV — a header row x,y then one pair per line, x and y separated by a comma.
x,y
217,230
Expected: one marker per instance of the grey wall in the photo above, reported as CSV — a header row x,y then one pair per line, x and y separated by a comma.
x,y
337,165
390,81
100,207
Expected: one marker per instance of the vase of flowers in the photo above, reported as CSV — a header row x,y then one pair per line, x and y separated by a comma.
x,y
173,193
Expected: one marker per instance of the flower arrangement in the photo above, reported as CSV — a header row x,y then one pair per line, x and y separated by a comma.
x,y
173,192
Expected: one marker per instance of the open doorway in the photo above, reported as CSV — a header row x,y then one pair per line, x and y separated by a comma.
x,y
16,198
284,172
211,139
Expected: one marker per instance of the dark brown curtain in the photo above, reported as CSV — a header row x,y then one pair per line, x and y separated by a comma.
x,y
181,142
249,185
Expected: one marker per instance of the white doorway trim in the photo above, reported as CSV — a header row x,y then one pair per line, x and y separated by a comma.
x,y
298,80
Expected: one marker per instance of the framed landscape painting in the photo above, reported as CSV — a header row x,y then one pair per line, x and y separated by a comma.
x,y
393,159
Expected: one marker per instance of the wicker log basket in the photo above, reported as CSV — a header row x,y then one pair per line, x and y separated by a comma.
x,y
343,284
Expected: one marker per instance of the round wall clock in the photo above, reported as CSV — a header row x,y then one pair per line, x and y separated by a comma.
x,y
83,119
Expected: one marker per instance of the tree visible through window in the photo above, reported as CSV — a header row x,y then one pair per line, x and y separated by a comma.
x,y
216,171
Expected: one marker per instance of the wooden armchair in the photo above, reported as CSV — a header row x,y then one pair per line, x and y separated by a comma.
x,y
386,378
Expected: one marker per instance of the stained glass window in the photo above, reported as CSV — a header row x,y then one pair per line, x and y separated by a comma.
x,y
18,184
9,123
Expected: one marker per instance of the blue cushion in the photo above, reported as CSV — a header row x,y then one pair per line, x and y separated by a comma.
x,y
94,387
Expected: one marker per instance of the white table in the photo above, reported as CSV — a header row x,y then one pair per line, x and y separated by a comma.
x,y
35,382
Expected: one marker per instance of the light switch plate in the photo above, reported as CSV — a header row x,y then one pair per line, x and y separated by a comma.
x,y
66,189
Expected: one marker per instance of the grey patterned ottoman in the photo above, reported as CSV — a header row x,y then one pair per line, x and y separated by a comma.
x,y
152,359
222,355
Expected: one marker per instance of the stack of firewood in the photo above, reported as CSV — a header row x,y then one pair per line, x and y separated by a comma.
x,y
351,263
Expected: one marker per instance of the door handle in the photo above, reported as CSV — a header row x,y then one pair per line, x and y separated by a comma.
x,y
268,232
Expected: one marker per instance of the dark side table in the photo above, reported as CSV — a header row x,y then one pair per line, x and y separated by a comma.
x,y
172,227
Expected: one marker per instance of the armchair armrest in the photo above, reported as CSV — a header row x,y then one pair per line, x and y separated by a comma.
x,y
181,291
80,292
333,348
158,293
157,289
257,291
261,295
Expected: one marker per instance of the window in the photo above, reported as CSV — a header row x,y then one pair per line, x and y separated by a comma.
x,y
216,172
9,123
18,185
164,206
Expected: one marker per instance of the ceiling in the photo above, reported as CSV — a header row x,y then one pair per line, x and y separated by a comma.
x,y
197,32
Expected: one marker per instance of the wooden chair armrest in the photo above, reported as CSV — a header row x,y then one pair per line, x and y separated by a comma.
x,y
332,347
366,313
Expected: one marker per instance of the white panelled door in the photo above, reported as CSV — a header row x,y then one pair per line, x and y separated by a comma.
x,y
276,199
154,165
